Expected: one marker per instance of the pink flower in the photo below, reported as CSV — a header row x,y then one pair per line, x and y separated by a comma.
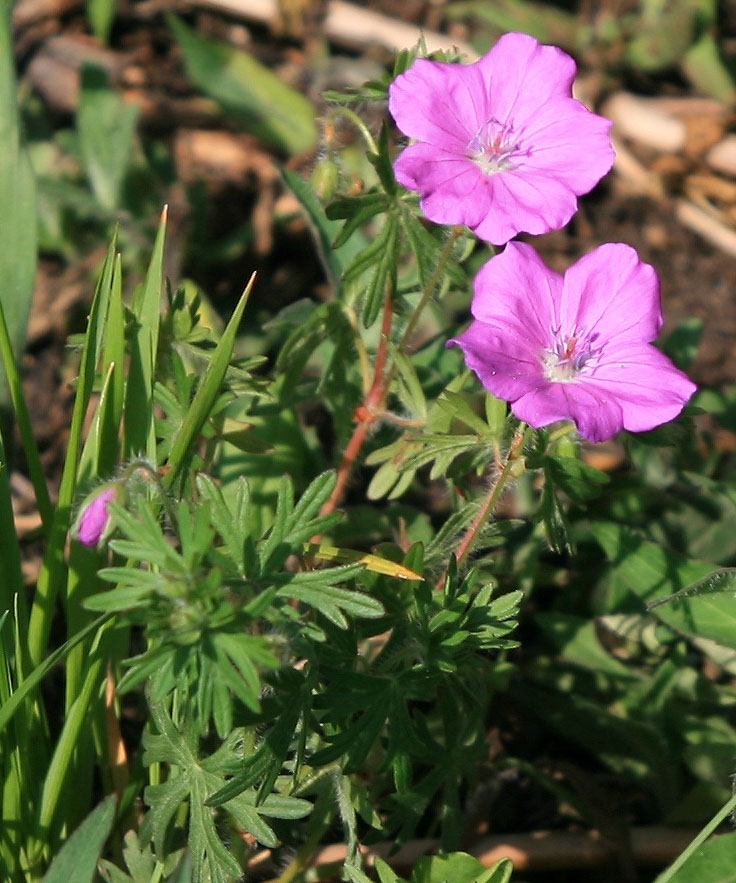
x,y
94,517
501,145
574,347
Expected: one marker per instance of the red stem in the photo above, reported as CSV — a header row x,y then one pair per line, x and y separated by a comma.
x,y
365,414
489,503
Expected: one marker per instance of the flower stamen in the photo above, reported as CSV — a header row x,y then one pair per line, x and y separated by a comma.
x,y
493,147
568,357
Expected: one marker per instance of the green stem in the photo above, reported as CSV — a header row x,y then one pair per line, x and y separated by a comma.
x,y
719,817
30,448
138,466
321,819
427,293
494,492
358,123
429,288
567,429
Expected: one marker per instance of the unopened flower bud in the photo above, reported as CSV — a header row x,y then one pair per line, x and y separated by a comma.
x,y
94,520
187,624
325,178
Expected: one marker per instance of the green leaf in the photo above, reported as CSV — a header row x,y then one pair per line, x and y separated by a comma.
x,y
651,572
682,344
265,763
101,15
54,569
661,41
138,859
381,162
77,858
190,778
18,199
356,210
207,392
713,862
23,418
265,106
330,600
457,407
578,642
578,480
9,708
106,126
334,258
459,867
704,66
629,747
386,873
10,559
544,23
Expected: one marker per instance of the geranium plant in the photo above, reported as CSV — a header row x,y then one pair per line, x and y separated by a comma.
x,y
274,640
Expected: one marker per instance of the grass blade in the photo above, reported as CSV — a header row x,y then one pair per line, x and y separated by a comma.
x,y
139,429
77,859
52,572
23,418
18,198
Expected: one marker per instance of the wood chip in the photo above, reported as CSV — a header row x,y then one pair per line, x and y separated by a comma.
x,y
641,120
637,177
706,224
722,156
348,25
55,69
220,156
27,12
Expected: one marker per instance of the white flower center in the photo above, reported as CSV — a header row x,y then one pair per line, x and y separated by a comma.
x,y
569,356
493,147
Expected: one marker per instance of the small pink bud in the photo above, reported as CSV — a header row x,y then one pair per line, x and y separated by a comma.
x,y
94,517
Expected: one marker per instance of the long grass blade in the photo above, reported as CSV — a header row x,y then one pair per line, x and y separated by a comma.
x,y
52,573
140,434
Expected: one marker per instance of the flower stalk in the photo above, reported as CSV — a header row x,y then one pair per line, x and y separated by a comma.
x,y
366,414
511,467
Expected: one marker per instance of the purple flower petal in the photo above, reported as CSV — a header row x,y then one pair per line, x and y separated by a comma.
x,y
598,416
574,348
528,201
522,75
612,293
627,374
439,103
503,147
506,362
551,131
454,191
94,518
502,292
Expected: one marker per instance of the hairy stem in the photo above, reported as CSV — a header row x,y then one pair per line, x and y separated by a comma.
x,y
365,414
320,821
358,123
428,291
487,506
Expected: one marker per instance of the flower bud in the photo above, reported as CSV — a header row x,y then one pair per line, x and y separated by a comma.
x,y
94,522
325,178
186,624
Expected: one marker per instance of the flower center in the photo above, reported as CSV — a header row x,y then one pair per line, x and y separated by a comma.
x,y
492,147
569,356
